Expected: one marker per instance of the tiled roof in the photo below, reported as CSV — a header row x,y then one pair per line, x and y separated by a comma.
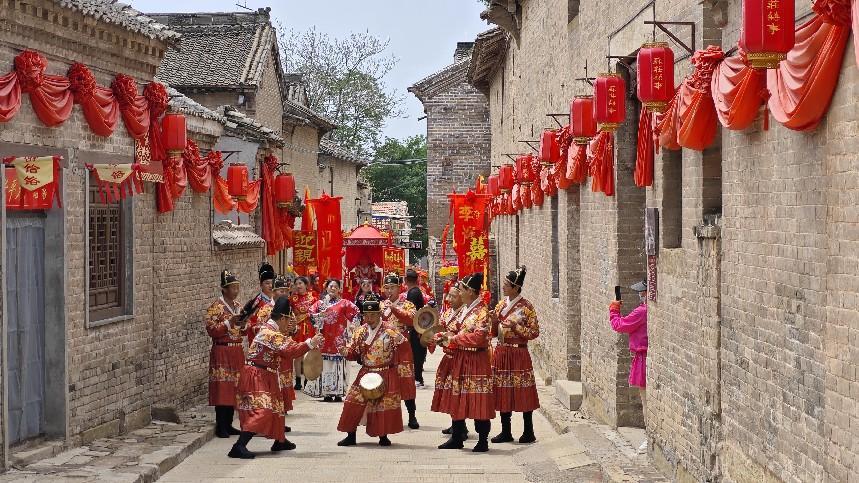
x,y
302,115
116,13
228,235
442,80
225,50
490,48
238,123
390,208
181,103
328,148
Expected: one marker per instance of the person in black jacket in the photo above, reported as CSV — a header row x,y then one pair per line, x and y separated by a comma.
x,y
416,296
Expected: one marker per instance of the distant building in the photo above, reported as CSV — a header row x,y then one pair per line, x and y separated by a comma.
x,y
393,216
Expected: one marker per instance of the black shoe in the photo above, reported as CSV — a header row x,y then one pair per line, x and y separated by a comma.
x,y
464,436
349,440
233,431
285,445
287,429
220,432
413,422
338,399
447,430
240,452
327,399
452,443
503,437
526,438
482,446
297,383
384,441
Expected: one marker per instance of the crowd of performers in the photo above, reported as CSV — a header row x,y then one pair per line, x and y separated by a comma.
x,y
289,317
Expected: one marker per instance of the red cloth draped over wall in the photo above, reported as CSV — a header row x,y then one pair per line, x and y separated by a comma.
x,y
277,223
98,103
602,164
645,151
739,91
329,237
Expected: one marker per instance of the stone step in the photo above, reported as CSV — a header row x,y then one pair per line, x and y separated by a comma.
x,y
569,393
31,453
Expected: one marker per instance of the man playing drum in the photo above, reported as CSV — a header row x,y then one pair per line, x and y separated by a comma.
x,y
400,313
376,346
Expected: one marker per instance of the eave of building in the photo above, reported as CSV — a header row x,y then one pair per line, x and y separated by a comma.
x,y
489,54
441,81
330,150
122,15
299,115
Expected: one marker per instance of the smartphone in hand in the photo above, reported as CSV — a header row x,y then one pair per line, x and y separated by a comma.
x,y
617,292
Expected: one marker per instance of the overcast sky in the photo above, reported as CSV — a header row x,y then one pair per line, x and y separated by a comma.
x,y
423,33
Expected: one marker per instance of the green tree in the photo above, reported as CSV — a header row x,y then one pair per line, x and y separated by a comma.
x,y
407,181
345,81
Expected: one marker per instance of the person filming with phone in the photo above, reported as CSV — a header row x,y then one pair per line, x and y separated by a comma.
x,y
634,324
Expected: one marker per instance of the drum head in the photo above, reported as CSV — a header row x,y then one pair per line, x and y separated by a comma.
x,y
312,365
428,336
425,319
371,381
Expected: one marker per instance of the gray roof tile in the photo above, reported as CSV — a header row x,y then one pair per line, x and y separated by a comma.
x,y
116,13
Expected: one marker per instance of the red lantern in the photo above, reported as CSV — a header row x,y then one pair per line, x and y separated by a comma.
x,y
524,169
655,75
174,134
582,119
609,101
550,148
505,178
284,189
768,32
525,194
492,185
237,181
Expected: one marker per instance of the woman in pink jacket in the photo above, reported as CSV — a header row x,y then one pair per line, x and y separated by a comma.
x,y
634,324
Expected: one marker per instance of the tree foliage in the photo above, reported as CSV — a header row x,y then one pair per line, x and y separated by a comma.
x,y
402,182
345,81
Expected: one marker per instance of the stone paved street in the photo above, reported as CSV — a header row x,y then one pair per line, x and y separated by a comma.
x,y
413,456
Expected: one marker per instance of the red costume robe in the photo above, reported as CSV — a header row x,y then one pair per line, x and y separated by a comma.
x,y
441,395
469,381
259,317
227,356
378,351
259,399
512,370
301,305
337,319
401,315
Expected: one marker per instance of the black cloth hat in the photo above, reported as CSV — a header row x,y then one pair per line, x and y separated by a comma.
x,y
228,278
266,272
281,282
370,305
473,282
281,308
517,277
411,274
393,279
640,286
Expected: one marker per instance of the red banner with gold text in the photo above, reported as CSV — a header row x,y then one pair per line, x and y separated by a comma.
x,y
329,235
394,260
470,231
304,252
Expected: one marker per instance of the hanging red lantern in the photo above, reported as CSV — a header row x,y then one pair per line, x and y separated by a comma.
x,y
768,32
505,178
237,181
174,134
284,190
655,75
524,169
492,185
609,101
525,194
550,148
582,119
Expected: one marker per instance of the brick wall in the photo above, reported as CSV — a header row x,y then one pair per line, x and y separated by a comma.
x,y
269,101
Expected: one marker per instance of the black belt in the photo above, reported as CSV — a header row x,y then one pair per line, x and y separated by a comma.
x,y
472,349
229,344
269,369
505,344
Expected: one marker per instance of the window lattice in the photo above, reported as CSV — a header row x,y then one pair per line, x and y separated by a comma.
x,y
105,257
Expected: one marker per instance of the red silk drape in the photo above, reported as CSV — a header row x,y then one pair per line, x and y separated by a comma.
x,y
695,110
10,96
249,204
98,103
49,94
133,106
276,223
602,164
645,150
577,167
739,91
221,199
666,126
803,85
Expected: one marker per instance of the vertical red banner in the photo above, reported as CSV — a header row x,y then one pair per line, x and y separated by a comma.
x,y
394,260
470,231
304,252
329,236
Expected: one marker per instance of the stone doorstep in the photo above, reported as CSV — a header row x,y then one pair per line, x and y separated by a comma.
x,y
569,393
119,459
30,454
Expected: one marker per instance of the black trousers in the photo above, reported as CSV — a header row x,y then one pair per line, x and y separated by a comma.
x,y
420,354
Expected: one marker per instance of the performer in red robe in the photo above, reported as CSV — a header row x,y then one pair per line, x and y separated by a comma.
x,y
259,398
337,318
514,322
449,322
301,301
400,313
225,327
261,305
281,290
376,346
471,395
